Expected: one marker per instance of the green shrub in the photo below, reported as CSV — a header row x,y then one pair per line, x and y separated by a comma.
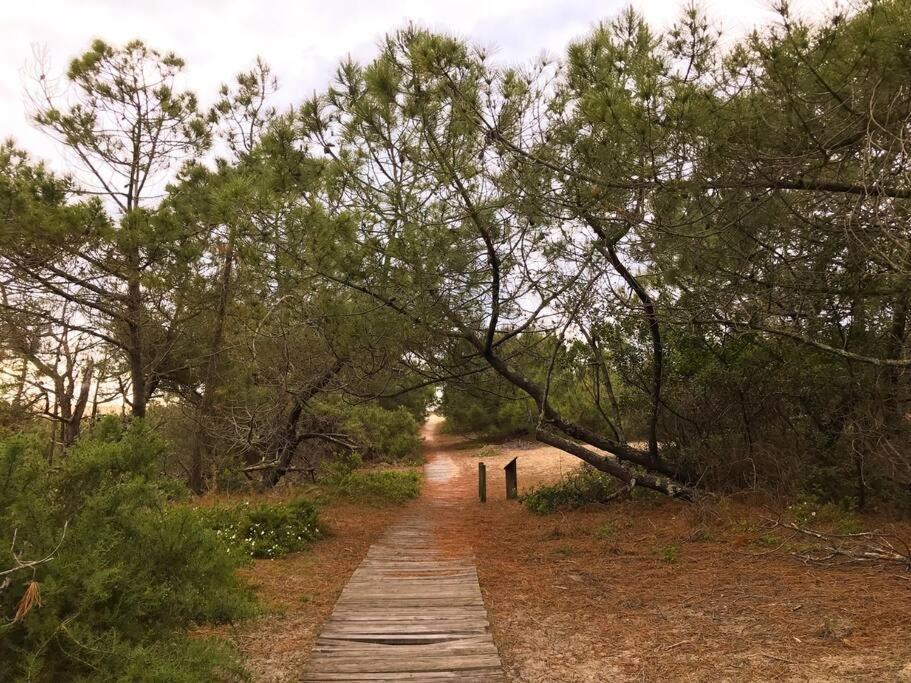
x,y
488,452
585,485
130,574
808,510
342,477
389,435
702,534
768,541
381,486
500,412
606,530
332,470
267,530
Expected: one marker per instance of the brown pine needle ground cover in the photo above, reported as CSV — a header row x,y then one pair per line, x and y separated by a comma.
x,y
658,590
637,590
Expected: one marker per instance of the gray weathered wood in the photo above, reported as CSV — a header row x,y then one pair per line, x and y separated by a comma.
x,y
512,480
410,612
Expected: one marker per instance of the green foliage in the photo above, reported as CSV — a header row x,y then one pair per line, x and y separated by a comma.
x,y
266,530
417,401
702,534
490,406
669,553
809,510
343,477
583,486
768,541
340,466
389,435
187,660
380,486
648,235
487,452
606,530
129,573
488,414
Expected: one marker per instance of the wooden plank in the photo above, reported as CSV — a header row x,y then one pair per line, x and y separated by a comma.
x,y
428,662
409,613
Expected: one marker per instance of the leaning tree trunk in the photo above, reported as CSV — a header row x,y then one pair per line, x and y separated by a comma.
x,y
288,438
620,460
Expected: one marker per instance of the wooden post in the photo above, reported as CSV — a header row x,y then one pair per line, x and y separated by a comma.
x,y
512,480
482,482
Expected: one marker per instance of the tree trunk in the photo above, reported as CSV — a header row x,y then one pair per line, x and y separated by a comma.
x,y
611,465
138,379
73,425
287,440
20,383
201,441
895,349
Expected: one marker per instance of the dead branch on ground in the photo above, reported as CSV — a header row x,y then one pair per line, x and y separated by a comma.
x,y
864,546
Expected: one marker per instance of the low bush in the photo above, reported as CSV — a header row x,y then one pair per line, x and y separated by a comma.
x,y
380,434
342,476
127,572
808,510
267,530
583,486
381,486
501,412
488,452
669,553
389,435
606,530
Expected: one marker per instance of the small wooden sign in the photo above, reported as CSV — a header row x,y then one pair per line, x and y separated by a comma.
x,y
512,480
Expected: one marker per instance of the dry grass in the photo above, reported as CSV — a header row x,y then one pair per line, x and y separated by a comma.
x,y
655,589
638,590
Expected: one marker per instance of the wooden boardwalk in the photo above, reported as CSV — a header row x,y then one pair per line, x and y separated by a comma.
x,y
409,612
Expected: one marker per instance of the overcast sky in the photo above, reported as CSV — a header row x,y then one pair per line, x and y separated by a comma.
x,y
302,40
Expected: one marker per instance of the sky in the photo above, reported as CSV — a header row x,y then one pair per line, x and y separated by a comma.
x,y
302,40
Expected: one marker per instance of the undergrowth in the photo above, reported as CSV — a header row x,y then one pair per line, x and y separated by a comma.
x,y
583,486
266,530
808,510
344,477
126,573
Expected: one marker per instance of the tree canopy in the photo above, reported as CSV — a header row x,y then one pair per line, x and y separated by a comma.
x,y
685,264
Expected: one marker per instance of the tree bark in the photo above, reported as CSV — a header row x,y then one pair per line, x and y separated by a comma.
x,y
611,465
73,426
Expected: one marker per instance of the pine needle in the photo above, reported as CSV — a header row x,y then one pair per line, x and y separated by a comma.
x,y
30,598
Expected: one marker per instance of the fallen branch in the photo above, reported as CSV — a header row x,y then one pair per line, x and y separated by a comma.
x,y
272,465
865,546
